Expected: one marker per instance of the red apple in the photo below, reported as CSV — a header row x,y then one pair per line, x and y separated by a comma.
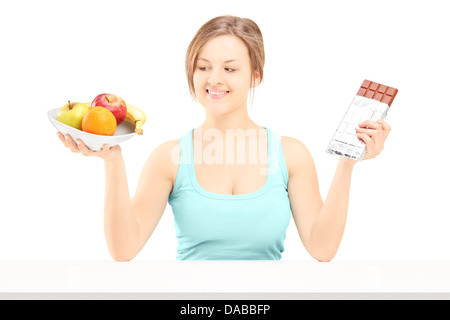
x,y
113,103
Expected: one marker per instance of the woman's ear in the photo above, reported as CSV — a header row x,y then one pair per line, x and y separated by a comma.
x,y
256,79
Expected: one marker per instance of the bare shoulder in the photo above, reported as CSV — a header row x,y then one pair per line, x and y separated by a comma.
x,y
166,148
165,158
296,154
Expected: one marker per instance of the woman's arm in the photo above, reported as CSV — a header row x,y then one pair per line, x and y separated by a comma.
x,y
321,224
326,227
130,222
120,224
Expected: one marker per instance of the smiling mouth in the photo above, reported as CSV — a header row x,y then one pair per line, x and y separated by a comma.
x,y
217,93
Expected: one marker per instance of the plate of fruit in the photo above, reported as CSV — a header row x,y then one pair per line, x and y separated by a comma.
x,y
105,120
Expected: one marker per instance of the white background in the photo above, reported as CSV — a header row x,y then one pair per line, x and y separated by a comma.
x,y
317,55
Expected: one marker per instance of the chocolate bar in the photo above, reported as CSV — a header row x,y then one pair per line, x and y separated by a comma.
x,y
372,102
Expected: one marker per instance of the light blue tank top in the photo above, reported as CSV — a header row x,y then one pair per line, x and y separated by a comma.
x,y
212,226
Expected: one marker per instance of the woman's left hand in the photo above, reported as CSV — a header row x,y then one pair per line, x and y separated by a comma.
x,y
374,134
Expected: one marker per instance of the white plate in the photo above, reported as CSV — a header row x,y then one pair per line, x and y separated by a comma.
x,y
95,142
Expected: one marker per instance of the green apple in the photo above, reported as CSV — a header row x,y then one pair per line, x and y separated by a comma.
x,y
72,114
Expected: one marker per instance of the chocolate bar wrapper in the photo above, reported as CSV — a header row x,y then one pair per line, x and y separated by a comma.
x,y
372,102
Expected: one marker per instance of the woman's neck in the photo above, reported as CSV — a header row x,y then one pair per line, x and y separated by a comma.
x,y
228,122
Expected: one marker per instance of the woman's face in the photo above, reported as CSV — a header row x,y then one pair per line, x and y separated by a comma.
x,y
222,75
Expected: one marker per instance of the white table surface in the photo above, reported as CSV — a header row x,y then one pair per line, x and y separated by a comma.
x,y
224,279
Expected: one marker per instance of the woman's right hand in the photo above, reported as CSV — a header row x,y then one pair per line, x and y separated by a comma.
x,y
78,146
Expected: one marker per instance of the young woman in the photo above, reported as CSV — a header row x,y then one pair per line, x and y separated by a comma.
x,y
232,183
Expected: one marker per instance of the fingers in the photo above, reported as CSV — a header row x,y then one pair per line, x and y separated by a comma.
x,y
370,132
371,148
61,137
384,125
370,124
68,141
370,143
373,134
83,149
77,146
71,144
377,130
379,125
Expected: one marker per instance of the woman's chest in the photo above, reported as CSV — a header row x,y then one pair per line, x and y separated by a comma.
x,y
231,179
232,165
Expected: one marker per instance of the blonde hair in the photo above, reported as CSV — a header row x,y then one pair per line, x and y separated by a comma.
x,y
243,28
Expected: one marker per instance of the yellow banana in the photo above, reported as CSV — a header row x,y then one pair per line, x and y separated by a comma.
x,y
134,116
137,117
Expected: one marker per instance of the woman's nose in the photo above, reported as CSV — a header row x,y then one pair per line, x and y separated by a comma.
x,y
215,78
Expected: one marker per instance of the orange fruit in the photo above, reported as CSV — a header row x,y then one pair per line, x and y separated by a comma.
x,y
99,120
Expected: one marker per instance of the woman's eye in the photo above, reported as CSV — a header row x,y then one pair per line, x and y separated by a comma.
x,y
207,68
